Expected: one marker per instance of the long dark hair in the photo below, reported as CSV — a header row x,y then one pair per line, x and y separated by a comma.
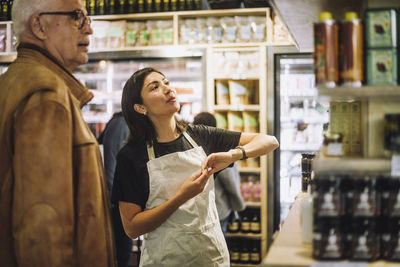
x,y
140,126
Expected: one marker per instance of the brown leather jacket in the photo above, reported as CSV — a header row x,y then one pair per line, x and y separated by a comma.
x,y
53,202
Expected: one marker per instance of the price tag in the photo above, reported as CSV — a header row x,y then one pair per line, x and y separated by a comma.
x,y
338,264
396,165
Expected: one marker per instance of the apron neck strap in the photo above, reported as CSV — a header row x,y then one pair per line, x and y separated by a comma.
x,y
150,148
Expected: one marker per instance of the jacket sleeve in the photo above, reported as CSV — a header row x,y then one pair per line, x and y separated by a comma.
x,y
43,208
230,180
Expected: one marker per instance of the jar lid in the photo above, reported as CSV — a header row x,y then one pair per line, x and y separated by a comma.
x,y
350,15
325,16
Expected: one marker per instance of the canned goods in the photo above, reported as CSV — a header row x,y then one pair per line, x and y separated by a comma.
x,y
326,51
351,56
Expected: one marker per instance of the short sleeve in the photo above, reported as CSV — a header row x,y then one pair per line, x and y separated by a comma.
x,y
215,139
129,185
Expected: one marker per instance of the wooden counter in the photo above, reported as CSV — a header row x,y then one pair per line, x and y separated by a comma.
x,y
288,251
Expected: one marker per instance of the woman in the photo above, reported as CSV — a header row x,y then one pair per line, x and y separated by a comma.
x,y
162,176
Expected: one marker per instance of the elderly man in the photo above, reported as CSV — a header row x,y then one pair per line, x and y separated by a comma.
x,y
53,201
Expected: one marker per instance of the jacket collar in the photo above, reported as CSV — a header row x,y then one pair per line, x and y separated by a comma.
x,y
78,90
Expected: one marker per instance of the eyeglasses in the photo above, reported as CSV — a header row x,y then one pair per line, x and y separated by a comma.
x,y
78,15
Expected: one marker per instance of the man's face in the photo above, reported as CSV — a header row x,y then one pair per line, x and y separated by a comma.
x,y
65,41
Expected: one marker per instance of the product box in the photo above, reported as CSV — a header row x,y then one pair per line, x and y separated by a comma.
x,y
382,66
381,28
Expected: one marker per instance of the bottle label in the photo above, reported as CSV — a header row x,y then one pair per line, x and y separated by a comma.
x,y
234,256
244,257
255,226
255,257
245,226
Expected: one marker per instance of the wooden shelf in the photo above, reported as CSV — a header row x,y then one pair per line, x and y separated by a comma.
x,y
248,235
236,107
351,165
244,265
249,170
344,93
253,204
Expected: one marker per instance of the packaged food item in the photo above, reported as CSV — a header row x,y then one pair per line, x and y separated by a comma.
x,y
281,35
184,32
365,200
332,145
382,68
390,239
199,30
251,122
230,29
217,30
131,33
222,89
253,162
381,28
328,239
155,32
364,240
351,56
239,92
144,34
99,38
231,62
245,188
243,24
222,120
235,121
208,30
258,28
329,200
167,31
116,34
326,68
392,134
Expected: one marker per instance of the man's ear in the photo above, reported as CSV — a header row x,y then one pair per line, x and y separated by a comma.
x,y
36,26
140,109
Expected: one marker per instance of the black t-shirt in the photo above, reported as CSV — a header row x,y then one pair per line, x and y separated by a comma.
x,y
131,179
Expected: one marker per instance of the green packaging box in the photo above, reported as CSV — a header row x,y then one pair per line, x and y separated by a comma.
x,y
382,66
381,28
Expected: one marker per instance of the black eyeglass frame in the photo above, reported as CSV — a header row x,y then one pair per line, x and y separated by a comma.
x,y
74,14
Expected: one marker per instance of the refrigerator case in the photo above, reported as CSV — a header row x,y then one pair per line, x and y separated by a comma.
x,y
300,120
106,78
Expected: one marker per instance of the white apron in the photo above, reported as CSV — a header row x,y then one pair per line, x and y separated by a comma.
x,y
192,235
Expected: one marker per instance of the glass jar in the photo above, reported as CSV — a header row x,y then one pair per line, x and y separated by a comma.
x,y
332,145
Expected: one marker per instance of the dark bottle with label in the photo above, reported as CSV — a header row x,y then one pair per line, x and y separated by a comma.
x,y
166,5
91,7
245,222
234,252
9,8
365,240
141,6
255,254
255,225
111,7
3,10
149,5
244,252
122,6
100,7
233,225
131,6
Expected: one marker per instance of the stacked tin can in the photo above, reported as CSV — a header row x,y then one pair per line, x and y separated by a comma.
x,y
382,43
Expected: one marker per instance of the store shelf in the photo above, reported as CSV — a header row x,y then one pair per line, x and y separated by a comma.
x,y
249,170
344,93
289,251
244,265
248,235
307,120
237,76
236,107
301,147
349,165
253,204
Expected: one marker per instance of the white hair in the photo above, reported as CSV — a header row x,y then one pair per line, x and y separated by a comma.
x,y
22,10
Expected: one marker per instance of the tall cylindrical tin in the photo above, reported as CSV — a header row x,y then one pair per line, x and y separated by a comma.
x,y
351,55
326,51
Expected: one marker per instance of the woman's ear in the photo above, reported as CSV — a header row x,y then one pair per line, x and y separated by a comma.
x,y
140,109
36,26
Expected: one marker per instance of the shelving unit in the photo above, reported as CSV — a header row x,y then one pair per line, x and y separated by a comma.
x,y
176,49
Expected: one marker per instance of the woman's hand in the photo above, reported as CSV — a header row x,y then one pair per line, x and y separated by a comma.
x,y
217,161
194,185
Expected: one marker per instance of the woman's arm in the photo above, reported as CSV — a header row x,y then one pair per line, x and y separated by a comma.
x,y
255,145
137,222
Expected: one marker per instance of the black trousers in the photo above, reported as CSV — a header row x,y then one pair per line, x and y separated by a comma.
x,y
123,243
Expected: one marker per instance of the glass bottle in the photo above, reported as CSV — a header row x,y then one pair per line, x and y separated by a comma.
x,y
245,223
255,225
244,253
255,255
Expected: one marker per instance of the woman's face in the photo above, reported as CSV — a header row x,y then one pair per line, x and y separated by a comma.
x,y
158,97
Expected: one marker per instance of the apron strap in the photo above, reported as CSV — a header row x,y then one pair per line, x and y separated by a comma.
x,y
150,152
191,141
150,149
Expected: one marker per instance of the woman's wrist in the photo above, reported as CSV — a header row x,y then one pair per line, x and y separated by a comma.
x,y
236,154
